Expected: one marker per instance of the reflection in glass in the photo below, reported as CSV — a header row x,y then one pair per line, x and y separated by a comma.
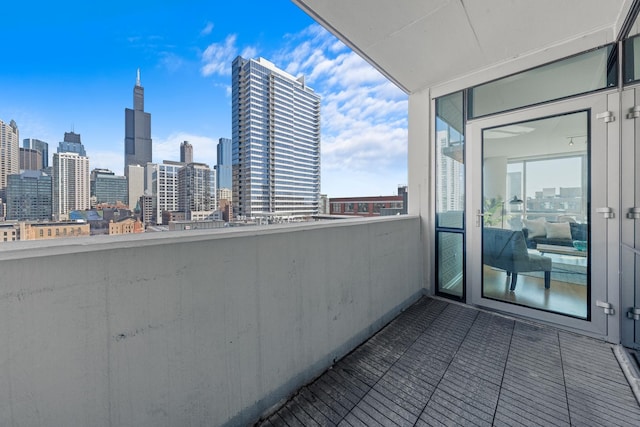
x,y
536,220
450,161
450,263
631,50
450,185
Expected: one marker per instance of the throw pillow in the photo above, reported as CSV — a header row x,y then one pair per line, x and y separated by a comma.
x,y
558,230
535,227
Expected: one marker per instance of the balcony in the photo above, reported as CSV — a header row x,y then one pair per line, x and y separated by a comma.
x,y
192,328
221,328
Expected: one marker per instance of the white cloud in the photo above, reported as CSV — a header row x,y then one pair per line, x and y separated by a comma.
x,y
171,62
217,57
207,29
364,116
249,52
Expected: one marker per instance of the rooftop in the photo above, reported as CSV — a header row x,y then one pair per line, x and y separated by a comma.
x,y
440,363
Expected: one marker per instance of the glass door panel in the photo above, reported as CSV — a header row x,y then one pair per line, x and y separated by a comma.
x,y
535,245
535,195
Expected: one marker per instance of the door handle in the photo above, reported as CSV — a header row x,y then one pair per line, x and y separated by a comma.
x,y
479,216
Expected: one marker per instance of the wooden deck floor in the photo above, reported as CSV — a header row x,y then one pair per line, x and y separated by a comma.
x,y
445,364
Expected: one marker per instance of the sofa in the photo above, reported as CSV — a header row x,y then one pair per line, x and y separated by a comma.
x,y
507,250
553,233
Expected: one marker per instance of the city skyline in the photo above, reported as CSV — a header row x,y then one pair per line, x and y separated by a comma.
x,y
79,77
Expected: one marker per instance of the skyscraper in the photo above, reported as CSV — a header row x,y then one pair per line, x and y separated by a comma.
x,y
9,153
30,159
186,152
109,188
41,146
196,191
71,188
72,144
223,166
164,187
136,184
276,142
137,132
29,196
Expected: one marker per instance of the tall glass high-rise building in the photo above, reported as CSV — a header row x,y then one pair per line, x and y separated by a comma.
x,y
9,152
107,187
223,164
137,130
29,196
276,142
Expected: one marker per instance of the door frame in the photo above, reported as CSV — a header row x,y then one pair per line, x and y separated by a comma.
x,y
604,185
629,228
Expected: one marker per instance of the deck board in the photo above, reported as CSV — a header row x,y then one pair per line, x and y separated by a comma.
x,y
443,364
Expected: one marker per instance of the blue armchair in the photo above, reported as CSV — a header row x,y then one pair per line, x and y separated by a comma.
x,y
507,250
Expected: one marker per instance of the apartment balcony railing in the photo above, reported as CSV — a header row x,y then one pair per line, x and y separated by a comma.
x,y
192,328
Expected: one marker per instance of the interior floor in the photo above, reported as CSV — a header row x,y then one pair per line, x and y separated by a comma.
x,y
562,297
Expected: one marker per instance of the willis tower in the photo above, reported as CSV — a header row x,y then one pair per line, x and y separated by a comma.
x,y
137,133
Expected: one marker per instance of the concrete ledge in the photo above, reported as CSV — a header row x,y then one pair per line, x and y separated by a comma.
x,y
195,327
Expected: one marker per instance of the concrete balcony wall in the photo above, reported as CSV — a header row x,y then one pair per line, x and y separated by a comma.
x,y
192,328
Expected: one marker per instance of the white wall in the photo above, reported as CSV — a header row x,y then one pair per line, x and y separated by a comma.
x,y
192,328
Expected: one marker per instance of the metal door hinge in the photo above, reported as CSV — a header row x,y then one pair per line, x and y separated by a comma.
x,y
606,212
634,213
608,308
633,313
634,112
607,116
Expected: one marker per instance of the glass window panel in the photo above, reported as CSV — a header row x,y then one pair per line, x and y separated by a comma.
x,y
450,173
631,60
450,263
535,190
583,73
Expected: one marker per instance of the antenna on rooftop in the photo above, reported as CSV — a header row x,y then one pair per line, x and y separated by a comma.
x,y
138,78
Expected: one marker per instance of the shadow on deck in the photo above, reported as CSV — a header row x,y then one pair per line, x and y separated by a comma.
x,y
447,364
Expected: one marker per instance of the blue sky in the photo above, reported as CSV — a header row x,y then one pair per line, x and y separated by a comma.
x,y
72,66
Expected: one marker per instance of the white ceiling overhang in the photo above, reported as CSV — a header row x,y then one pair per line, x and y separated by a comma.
x,y
425,43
